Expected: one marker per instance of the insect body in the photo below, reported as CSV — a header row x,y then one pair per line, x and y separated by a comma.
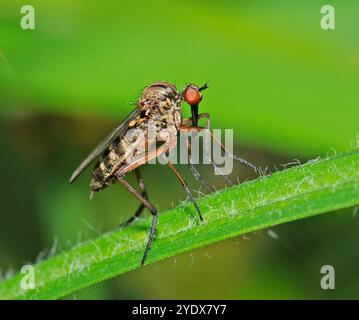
x,y
157,110
130,145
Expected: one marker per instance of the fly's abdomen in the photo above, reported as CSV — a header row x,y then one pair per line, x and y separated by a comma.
x,y
105,170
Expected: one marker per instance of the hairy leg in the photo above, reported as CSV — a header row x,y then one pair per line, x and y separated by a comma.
x,y
141,207
150,207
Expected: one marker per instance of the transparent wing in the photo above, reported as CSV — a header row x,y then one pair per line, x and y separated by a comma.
x,y
101,147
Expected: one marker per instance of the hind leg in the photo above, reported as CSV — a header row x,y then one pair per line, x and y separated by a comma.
x,y
150,207
141,207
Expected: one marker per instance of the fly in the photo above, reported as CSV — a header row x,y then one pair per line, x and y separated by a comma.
x,y
159,110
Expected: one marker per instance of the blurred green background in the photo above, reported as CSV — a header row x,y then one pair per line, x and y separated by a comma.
x,y
288,89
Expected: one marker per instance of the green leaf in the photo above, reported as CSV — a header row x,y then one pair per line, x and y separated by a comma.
x,y
303,191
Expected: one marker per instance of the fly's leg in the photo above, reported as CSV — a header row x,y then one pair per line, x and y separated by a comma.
x,y
150,207
186,188
192,168
241,160
195,172
188,121
226,180
199,178
139,210
215,139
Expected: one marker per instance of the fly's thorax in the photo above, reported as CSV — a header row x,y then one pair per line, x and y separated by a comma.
x,y
159,128
161,103
159,91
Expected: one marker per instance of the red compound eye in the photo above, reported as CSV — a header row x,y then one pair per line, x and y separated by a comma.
x,y
192,96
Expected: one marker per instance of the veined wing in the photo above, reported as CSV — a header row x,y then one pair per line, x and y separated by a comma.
x,y
101,147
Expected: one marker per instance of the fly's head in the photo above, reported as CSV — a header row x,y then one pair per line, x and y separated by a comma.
x,y
193,96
